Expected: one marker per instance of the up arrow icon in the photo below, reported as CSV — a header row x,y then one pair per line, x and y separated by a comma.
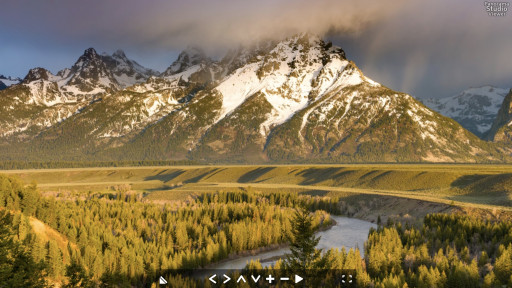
x,y
241,278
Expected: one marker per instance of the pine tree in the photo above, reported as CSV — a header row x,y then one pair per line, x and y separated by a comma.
x,y
38,250
54,258
503,266
303,241
29,199
77,276
181,236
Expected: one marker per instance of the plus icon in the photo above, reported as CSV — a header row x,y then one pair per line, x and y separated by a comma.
x,y
270,279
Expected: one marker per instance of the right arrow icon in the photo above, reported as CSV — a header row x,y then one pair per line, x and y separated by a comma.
x,y
298,278
227,278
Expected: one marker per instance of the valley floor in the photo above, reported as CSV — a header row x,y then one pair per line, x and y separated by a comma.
x,y
404,189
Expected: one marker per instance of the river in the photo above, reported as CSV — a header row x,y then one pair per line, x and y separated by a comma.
x,y
348,232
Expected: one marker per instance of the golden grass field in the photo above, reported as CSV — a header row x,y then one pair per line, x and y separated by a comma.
x,y
481,186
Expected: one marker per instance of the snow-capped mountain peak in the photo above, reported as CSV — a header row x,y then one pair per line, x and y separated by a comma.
x,y
126,72
119,53
189,57
90,75
295,73
90,53
475,108
38,73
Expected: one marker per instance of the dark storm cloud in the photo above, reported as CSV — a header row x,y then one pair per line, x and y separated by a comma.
x,y
421,47
154,31
172,24
437,48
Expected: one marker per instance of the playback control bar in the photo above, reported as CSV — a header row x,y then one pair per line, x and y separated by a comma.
x,y
257,278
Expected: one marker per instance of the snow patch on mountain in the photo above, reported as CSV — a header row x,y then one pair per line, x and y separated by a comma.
x,y
185,74
337,75
125,80
239,86
329,74
156,102
73,89
9,82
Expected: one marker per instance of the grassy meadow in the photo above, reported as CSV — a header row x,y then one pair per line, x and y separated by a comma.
x,y
481,186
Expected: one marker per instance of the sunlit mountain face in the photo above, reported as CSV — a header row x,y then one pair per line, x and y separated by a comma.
x,y
291,100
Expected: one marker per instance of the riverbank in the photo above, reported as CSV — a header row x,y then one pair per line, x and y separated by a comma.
x,y
345,232
411,211
261,250
371,207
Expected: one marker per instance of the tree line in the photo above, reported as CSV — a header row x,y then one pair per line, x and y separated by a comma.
x,y
12,165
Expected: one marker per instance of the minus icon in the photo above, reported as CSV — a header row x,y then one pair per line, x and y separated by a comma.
x,y
284,278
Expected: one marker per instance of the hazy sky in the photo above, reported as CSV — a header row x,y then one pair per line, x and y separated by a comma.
x,y
426,48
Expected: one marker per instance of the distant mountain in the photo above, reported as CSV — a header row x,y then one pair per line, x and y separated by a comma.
x,y
475,108
90,75
501,130
299,99
8,81
126,72
188,58
42,99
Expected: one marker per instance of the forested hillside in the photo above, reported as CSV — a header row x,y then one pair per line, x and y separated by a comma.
x,y
116,240
119,239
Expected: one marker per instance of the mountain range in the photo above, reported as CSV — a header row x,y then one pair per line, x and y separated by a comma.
x,y
475,108
295,100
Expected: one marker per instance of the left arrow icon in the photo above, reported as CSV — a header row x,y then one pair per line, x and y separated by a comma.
x,y
211,278
227,278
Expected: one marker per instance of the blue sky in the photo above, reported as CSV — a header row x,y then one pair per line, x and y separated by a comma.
x,y
425,48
